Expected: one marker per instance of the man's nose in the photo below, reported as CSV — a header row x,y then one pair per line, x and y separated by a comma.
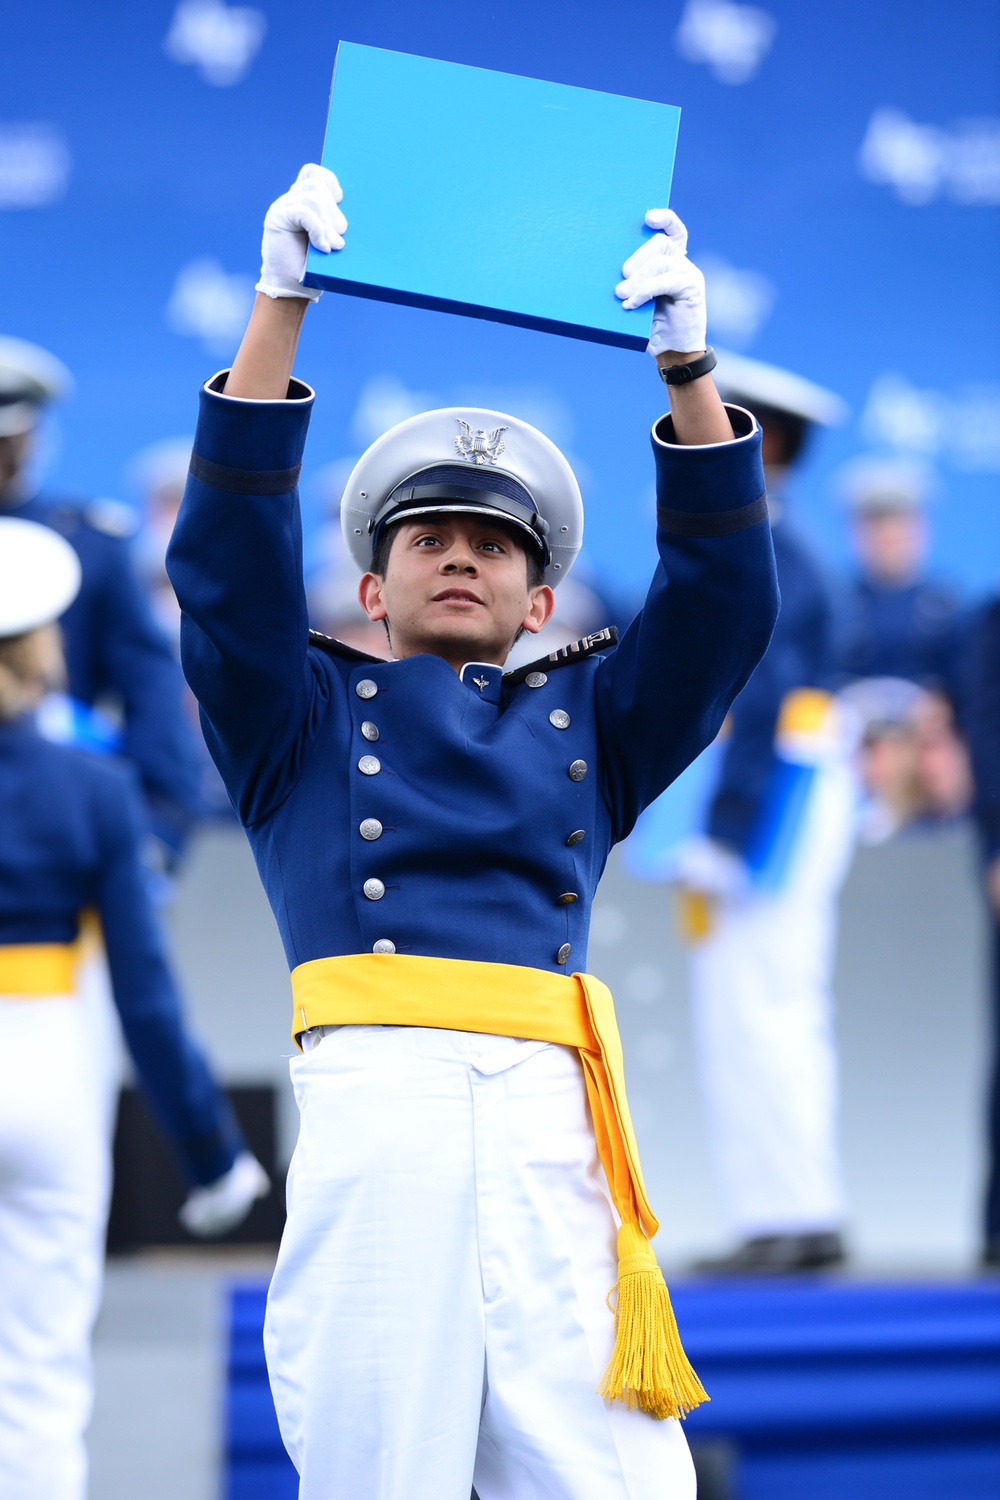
x,y
460,559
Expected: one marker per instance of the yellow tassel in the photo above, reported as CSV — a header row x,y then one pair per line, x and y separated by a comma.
x,y
648,1367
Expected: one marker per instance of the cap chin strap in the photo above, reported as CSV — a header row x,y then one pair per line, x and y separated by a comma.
x,y
419,499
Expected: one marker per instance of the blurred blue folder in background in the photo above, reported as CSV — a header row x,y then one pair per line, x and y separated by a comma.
x,y
487,194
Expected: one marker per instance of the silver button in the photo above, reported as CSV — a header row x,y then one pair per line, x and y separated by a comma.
x,y
567,898
536,679
370,765
563,954
369,730
559,718
578,770
384,945
374,890
370,829
576,837
366,688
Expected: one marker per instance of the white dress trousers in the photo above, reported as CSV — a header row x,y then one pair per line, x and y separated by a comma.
x,y
438,1309
763,1024
57,1083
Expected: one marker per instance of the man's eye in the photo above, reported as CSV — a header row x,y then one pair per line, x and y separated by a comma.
x,y
496,547
427,541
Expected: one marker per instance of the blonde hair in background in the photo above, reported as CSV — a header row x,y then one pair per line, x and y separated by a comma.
x,y
29,665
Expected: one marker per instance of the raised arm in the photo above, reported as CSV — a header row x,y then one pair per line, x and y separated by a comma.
x,y
713,600
235,559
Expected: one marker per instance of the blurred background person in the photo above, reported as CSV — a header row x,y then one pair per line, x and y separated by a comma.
x,y
899,620
758,891
72,834
116,656
982,721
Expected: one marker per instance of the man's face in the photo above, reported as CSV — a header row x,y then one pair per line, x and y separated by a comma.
x,y
891,545
455,586
14,453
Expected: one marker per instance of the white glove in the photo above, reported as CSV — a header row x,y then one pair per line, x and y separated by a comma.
x,y
306,214
660,269
224,1203
702,864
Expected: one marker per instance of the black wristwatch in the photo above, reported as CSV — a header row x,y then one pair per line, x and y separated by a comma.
x,y
684,374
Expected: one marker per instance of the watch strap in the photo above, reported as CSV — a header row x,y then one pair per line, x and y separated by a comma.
x,y
684,374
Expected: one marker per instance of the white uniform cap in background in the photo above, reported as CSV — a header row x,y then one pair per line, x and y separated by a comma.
x,y
39,576
875,484
746,381
30,377
475,445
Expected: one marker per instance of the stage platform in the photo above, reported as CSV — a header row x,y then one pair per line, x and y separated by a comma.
x,y
820,1388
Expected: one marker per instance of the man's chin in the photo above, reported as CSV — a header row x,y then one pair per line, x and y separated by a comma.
x,y
454,639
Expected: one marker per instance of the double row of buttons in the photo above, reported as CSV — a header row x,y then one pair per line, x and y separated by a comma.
x,y
371,828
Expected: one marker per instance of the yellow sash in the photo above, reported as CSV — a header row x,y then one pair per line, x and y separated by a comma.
x,y
648,1368
38,968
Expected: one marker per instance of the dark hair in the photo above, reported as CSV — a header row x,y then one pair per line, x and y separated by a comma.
x,y
794,430
533,557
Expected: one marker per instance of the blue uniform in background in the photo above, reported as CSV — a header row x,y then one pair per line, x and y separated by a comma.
x,y
799,656
762,965
981,695
913,632
114,647
71,831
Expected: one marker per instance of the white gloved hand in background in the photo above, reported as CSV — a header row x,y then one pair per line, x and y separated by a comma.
x,y
307,213
703,864
660,272
221,1205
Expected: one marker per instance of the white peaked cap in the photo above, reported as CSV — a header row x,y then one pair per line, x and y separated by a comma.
x,y
30,377
39,576
479,443
750,380
874,482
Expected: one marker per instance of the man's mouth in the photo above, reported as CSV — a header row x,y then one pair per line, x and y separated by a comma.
x,y
457,596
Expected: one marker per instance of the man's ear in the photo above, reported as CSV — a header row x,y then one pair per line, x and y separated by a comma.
x,y
370,596
543,602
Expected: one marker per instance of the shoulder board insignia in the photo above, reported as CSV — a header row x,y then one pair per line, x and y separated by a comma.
x,y
333,647
598,640
113,517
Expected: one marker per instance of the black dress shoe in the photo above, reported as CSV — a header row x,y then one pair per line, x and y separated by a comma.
x,y
777,1255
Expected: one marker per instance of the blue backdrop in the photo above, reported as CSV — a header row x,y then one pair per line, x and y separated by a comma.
x,y
838,165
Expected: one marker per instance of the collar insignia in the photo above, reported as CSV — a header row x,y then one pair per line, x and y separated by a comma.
x,y
481,682
476,446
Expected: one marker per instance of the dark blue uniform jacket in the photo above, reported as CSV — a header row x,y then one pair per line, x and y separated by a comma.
x,y
70,831
982,722
488,823
798,657
113,645
912,632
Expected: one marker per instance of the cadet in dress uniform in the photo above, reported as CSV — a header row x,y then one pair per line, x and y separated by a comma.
x,y
758,893
898,621
981,683
430,831
112,645
72,829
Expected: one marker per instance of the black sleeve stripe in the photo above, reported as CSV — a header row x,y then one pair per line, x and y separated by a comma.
x,y
712,523
244,481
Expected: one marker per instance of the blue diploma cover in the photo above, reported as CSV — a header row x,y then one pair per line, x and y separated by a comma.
x,y
483,193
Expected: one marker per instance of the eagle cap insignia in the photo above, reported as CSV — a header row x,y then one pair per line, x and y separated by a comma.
x,y
479,447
